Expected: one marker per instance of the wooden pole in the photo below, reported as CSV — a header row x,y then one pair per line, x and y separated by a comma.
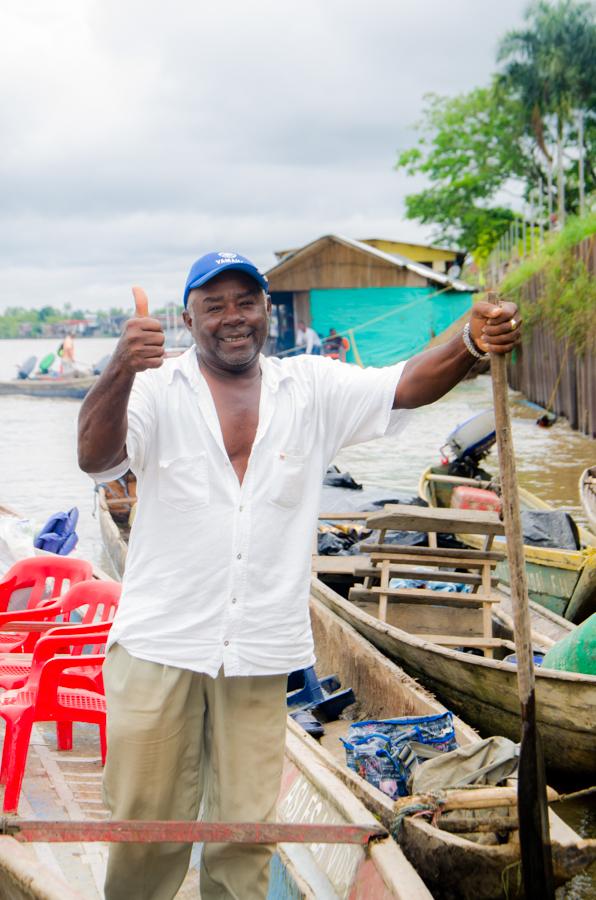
x,y
580,143
535,846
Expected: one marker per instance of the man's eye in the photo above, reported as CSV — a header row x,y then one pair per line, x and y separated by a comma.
x,y
213,308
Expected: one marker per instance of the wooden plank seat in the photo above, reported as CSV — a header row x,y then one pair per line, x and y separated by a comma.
x,y
422,595
401,517
457,640
396,570
446,554
450,618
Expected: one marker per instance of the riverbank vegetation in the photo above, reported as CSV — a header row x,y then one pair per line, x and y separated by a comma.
x,y
567,297
520,148
49,321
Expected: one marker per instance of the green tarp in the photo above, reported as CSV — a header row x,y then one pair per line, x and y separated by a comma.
x,y
398,322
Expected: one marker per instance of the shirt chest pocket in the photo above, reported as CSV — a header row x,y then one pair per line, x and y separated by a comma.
x,y
288,479
183,482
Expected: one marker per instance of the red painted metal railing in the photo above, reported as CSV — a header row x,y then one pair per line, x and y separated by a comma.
x,y
113,831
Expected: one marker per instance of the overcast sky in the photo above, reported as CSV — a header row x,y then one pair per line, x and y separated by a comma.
x,y
138,135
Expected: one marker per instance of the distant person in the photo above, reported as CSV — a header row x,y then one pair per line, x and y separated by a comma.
x,y
309,339
335,346
66,354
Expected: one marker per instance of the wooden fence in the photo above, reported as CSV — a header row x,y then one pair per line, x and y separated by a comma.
x,y
549,371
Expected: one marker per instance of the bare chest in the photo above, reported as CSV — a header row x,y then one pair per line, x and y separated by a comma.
x,y
238,414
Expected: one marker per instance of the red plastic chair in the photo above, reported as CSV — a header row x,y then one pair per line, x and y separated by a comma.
x,y
44,699
46,577
15,667
100,599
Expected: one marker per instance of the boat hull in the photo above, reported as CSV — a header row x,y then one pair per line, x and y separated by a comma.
x,y
113,540
71,388
451,865
485,691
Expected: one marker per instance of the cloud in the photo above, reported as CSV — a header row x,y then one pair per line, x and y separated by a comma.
x,y
137,136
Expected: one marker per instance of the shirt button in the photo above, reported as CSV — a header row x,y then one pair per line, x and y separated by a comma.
x,y
239,556
226,643
233,599
240,508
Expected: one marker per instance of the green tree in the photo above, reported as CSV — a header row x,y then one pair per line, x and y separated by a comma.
x,y
550,67
469,147
48,312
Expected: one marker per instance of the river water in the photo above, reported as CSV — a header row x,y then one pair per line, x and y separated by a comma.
x,y
39,473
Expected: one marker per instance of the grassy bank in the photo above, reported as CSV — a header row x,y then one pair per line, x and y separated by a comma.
x,y
567,298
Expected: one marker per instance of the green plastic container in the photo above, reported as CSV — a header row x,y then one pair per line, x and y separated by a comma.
x,y
576,652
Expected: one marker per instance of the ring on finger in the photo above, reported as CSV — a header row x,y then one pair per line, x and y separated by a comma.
x,y
513,324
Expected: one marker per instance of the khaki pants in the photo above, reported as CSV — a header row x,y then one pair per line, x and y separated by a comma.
x,y
175,738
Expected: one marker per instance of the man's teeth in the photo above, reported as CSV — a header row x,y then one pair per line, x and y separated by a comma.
x,y
233,340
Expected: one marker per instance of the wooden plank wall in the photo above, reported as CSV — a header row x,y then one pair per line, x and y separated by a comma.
x,y
547,367
334,265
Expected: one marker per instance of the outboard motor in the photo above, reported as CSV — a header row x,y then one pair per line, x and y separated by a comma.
x,y
25,370
469,443
100,366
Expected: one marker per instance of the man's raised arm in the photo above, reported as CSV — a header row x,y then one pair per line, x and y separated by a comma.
x,y
103,419
431,374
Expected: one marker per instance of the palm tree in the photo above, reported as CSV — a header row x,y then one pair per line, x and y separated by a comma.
x,y
551,67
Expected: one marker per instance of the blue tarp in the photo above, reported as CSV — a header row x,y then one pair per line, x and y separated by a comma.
x,y
419,315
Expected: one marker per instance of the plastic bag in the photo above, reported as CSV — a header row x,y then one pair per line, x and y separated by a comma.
x,y
386,752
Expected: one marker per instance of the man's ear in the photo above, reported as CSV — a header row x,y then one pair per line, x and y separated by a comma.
x,y
187,319
268,303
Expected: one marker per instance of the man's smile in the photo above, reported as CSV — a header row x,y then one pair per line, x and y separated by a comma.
x,y
235,338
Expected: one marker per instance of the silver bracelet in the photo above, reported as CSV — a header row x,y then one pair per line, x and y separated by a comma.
x,y
470,345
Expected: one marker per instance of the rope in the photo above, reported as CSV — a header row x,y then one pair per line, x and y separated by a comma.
x,y
416,809
393,312
355,350
554,390
349,332
576,794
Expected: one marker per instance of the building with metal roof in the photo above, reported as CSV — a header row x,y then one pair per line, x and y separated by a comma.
x,y
388,305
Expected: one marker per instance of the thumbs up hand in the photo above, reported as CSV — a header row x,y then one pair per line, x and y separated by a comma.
x,y
142,343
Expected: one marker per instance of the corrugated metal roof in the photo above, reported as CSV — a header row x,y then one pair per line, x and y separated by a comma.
x,y
395,259
455,250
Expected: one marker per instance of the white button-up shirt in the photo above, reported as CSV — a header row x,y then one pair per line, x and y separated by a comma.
x,y
218,572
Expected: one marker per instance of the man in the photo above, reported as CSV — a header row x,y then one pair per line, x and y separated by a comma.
x,y
333,345
229,448
67,355
308,338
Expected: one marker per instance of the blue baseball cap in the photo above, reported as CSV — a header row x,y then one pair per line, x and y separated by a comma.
x,y
212,264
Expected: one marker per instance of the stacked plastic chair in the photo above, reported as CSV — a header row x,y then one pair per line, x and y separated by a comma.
x,y
45,577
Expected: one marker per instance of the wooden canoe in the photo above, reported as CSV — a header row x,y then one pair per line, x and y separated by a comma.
x,y
587,493
67,785
564,581
485,690
73,388
452,865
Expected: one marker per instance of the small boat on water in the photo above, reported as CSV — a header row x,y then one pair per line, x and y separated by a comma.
x,y
67,786
563,581
485,690
561,577
49,386
587,493
452,865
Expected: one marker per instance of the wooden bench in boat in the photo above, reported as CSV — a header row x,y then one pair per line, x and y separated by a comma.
x,y
448,618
